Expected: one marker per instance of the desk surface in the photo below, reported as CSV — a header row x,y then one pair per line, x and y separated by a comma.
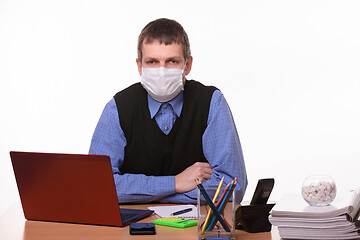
x,y
13,225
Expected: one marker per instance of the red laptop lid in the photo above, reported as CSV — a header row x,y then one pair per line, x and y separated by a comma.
x,y
71,188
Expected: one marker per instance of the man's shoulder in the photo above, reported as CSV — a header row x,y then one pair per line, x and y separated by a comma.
x,y
198,86
198,89
131,91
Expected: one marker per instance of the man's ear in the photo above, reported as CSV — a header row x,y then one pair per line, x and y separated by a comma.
x,y
188,65
139,65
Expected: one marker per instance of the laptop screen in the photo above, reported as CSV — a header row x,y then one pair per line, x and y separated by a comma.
x,y
75,188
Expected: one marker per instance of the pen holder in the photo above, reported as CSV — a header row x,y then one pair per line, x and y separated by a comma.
x,y
209,225
253,218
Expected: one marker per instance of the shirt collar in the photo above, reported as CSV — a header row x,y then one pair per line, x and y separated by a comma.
x,y
176,103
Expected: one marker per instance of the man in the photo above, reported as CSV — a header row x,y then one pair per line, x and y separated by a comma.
x,y
165,132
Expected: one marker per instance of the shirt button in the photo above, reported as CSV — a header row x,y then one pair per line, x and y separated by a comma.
x,y
165,106
166,128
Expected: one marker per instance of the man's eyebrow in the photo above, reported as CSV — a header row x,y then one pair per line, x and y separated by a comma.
x,y
167,59
150,58
175,57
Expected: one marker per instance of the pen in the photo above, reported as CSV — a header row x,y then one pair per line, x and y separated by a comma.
x,y
181,212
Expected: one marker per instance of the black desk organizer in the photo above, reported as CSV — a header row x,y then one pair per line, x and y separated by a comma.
x,y
253,218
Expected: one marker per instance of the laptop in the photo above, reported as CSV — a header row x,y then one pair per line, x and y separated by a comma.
x,y
71,188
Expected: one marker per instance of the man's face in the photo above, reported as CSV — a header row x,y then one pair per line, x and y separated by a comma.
x,y
155,55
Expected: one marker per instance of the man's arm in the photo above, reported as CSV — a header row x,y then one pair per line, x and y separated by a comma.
x,y
184,181
222,149
109,139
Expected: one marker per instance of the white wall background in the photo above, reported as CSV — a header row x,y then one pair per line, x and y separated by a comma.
x,y
289,70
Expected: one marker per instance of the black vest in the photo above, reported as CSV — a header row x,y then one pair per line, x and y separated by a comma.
x,y
149,151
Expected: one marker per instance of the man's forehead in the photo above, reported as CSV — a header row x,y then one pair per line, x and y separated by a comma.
x,y
160,49
160,43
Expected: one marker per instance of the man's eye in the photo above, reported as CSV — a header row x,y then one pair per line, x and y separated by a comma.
x,y
173,62
150,62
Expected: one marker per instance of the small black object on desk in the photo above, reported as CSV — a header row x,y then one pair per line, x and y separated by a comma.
x,y
142,229
255,217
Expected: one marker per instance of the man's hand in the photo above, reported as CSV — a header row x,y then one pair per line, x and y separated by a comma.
x,y
185,181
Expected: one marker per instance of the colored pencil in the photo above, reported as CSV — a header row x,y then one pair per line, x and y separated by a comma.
x,y
213,208
221,204
214,199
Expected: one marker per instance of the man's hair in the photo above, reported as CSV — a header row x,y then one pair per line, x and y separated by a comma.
x,y
166,31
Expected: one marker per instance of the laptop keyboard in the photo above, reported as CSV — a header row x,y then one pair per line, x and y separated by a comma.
x,y
131,215
125,217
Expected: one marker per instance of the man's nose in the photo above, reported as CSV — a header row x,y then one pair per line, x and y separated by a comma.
x,y
162,64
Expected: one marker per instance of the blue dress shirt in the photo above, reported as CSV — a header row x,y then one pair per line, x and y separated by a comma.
x,y
221,147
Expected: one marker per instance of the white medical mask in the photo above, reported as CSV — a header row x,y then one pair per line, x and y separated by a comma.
x,y
162,84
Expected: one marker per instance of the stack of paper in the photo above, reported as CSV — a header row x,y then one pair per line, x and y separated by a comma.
x,y
295,219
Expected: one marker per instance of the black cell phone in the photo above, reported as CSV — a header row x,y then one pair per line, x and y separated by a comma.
x,y
262,191
142,229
